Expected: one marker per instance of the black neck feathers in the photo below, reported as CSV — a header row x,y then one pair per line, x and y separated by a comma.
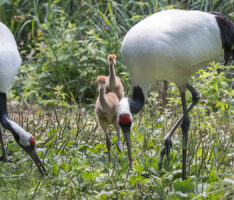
x,y
3,106
4,119
137,101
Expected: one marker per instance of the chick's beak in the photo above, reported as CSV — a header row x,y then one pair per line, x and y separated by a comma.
x,y
38,162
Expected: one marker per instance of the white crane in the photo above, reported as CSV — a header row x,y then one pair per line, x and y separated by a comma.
x,y
172,45
10,62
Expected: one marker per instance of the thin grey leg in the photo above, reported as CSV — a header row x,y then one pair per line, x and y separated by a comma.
x,y
118,131
164,93
108,146
185,127
4,156
167,138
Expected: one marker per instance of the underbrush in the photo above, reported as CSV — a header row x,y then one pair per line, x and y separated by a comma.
x,y
65,44
72,146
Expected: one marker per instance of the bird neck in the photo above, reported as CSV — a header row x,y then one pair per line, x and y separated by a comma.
x,y
137,101
112,74
21,136
102,99
129,106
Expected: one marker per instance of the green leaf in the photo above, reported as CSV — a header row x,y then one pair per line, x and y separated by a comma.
x,y
212,177
139,168
55,169
124,164
186,186
135,179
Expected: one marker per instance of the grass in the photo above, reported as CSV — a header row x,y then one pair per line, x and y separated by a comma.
x,y
64,44
72,146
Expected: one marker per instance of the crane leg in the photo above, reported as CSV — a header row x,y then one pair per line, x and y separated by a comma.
x,y
4,156
108,146
119,143
164,93
167,138
105,128
185,127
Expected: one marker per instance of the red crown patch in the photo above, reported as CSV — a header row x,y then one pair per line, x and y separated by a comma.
x,y
32,141
124,119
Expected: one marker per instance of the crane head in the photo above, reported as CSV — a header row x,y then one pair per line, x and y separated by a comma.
x,y
26,141
128,106
124,119
22,137
101,81
124,113
111,59
30,149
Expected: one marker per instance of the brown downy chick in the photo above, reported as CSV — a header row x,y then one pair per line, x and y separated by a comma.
x,y
114,83
106,110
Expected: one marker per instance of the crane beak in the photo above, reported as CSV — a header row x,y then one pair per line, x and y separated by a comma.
x,y
127,130
38,162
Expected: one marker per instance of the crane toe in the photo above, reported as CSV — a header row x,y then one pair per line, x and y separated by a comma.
x,y
168,146
5,159
166,150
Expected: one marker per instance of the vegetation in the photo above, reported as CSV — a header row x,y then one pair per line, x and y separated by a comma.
x,y
64,46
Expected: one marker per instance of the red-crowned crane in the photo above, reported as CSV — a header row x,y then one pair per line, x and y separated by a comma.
x,y
114,83
171,45
10,62
106,110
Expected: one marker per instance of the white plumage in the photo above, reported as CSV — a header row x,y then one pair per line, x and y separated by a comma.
x,y
10,59
124,108
10,62
170,45
24,136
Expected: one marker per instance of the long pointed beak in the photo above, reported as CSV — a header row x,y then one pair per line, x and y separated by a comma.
x,y
38,162
127,130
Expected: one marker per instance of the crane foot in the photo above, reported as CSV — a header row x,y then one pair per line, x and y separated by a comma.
x,y
166,150
5,159
168,146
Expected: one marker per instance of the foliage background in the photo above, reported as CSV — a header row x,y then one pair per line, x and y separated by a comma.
x,y
64,45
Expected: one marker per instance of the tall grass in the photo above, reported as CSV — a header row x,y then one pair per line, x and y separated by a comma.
x,y
73,149
78,36
64,45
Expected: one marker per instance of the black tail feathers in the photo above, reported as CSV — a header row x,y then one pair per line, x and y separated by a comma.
x,y
227,35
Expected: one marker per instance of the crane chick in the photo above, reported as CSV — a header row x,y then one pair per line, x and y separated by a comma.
x,y
106,110
114,83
